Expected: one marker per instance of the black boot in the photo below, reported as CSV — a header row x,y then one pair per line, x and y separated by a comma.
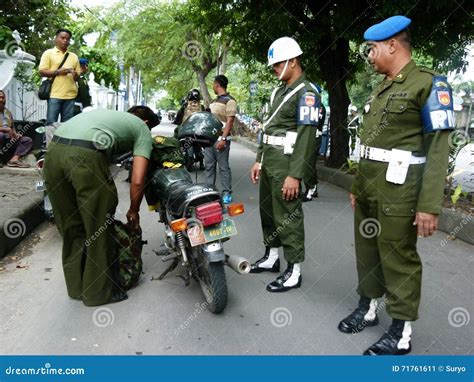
x,y
360,318
397,341
287,280
257,268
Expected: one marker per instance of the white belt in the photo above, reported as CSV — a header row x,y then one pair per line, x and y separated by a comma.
x,y
382,155
272,140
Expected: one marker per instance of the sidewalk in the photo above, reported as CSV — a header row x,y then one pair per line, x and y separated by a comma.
x,y
21,206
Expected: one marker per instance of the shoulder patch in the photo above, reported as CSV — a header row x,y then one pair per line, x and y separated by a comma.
x,y
307,112
437,113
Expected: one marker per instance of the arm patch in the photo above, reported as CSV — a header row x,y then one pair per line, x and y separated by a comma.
x,y
307,111
438,114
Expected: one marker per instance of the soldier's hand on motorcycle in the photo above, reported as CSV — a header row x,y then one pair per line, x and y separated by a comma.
x,y
291,188
255,172
426,223
133,219
353,200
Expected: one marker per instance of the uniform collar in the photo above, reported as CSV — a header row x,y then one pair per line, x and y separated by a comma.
x,y
300,79
402,74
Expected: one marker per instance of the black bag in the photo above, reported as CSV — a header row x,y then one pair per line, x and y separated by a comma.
x,y
44,90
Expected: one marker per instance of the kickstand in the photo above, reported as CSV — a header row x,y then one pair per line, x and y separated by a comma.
x,y
187,279
171,268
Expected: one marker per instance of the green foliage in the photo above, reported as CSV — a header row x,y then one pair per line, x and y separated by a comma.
x,y
5,35
36,21
351,167
457,193
103,65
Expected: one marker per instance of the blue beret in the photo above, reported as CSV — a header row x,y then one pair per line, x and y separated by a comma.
x,y
83,61
387,28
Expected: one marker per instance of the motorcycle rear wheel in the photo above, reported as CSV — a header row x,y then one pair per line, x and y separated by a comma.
x,y
213,283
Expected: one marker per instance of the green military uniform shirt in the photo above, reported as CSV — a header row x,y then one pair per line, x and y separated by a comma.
x,y
286,121
392,119
118,132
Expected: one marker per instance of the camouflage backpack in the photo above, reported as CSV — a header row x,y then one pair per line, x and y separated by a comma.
x,y
128,249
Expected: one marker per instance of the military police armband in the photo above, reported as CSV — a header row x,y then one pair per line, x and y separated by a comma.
x,y
307,112
438,114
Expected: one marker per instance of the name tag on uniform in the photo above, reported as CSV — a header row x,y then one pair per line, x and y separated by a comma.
x,y
398,166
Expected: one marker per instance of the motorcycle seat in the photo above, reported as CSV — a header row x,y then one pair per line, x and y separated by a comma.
x,y
183,195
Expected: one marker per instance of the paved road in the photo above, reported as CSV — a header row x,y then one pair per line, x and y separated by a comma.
x,y
165,317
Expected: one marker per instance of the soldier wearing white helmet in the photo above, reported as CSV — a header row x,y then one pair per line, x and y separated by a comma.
x,y
288,141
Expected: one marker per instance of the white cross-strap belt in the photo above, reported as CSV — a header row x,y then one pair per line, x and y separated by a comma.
x,y
272,140
382,155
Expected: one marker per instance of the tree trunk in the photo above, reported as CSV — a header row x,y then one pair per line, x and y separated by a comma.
x,y
334,63
223,63
202,85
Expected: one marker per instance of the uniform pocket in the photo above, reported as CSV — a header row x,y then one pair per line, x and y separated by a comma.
x,y
398,209
397,221
397,105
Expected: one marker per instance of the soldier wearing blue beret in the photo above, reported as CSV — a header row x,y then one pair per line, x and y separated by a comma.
x,y
398,190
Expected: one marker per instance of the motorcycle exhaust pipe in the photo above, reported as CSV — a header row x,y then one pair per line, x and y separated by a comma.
x,y
238,264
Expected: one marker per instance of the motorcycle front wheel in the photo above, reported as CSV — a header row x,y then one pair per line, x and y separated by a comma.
x,y
213,284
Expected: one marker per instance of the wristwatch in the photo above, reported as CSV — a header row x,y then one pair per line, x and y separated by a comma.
x,y
222,138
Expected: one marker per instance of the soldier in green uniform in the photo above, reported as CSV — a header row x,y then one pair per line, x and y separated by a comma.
x,y
84,196
398,190
288,142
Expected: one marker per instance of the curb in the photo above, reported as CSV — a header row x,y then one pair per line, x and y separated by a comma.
x,y
452,222
21,223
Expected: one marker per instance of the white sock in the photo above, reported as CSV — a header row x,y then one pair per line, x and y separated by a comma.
x,y
404,342
295,275
370,315
272,258
311,192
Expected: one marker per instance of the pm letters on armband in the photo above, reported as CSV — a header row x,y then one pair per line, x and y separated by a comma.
x,y
438,114
308,109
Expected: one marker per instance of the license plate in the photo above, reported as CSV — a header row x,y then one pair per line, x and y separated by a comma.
x,y
40,186
199,235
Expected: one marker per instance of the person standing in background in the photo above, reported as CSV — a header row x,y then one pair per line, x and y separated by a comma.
x,y
64,87
224,107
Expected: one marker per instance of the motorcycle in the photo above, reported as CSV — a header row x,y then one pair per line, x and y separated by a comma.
x,y
197,223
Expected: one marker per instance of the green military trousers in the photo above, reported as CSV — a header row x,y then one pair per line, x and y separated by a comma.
x,y
282,221
311,179
385,238
84,199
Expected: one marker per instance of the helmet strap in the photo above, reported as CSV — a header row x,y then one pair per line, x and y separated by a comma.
x,y
284,70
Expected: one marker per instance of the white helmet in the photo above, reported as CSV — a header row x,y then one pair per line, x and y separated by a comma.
x,y
283,49
352,108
